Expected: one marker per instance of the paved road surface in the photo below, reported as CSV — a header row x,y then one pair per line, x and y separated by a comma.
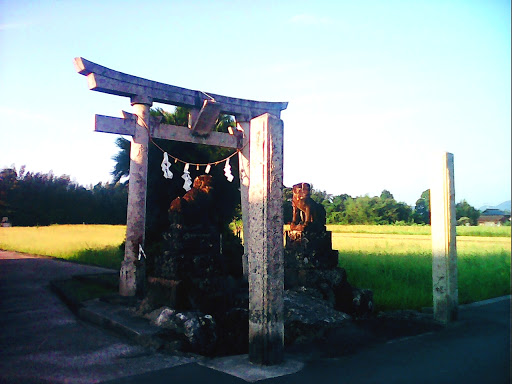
x,y
474,350
41,341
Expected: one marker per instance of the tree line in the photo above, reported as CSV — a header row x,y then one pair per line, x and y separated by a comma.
x,y
32,199
378,210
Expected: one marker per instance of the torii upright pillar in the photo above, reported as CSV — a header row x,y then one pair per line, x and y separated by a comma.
x,y
265,256
132,273
244,173
444,241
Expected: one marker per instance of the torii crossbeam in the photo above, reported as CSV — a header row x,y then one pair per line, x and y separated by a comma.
x,y
261,197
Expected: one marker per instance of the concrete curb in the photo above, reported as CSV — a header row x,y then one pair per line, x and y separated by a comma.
x,y
73,305
485,302
122,321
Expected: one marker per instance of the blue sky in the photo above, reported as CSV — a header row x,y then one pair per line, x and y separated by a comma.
x,y
376,89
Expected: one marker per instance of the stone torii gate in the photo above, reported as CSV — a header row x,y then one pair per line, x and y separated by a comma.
x,y
261,185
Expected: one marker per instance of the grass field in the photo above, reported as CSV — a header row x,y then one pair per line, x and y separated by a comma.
x,y
89,244
398,268
394,261
480,231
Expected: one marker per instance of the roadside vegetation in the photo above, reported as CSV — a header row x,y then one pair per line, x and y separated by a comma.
x,y
394,261
89,244
481,231
398,267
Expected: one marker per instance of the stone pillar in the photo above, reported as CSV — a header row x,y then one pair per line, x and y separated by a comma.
x,y
265,243
243,165
132,274
444,249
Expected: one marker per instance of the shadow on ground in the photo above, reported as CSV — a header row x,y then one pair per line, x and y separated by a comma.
x,y
101,289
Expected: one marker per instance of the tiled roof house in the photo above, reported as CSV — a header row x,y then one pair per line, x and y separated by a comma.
x,y
493,217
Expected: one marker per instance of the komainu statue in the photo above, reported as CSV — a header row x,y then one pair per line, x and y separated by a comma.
x,y
306,211
195,207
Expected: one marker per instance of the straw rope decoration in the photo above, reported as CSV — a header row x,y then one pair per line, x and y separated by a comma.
x,y
166,164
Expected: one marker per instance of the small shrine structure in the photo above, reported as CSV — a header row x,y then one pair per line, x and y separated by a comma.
x,y
259,141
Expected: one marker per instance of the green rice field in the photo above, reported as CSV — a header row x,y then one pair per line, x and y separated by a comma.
x,y
89,244
398,267
394,261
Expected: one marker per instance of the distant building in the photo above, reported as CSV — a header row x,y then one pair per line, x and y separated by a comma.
x,y
5,222
493,217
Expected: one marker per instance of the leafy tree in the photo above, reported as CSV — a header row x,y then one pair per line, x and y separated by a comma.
x,y
385,194
422,208
8,178
389,211
335,211
287,205
361,210
41,199
464,221
122,162
344,209
321,197
464,209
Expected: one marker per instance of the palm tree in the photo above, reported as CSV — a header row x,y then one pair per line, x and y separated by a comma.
x,y
161,191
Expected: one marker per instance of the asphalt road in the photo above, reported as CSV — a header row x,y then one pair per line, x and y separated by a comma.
x,y
42,342
476,349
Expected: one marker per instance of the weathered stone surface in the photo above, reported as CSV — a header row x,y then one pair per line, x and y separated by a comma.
x,y
132,273
362,303
165,319
330,284
213,295
243,166
265,258
197,330
444,242
191,274
107,80
190,252
153,315
316,278
311,265
310,249
309,318
163,292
